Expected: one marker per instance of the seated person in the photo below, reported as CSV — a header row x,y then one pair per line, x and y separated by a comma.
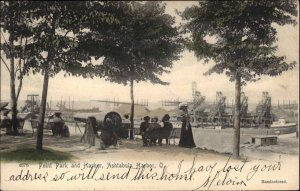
x,y
166,130
153,131
144,126
59,128
6,121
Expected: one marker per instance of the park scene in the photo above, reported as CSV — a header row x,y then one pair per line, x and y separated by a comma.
x,y
160,84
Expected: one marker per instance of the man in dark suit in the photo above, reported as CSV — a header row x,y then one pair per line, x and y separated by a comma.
x,y
144,126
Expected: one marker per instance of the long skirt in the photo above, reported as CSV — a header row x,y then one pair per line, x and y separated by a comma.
x,y
186,137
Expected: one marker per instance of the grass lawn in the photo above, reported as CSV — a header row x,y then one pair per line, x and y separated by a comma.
x,y
30,154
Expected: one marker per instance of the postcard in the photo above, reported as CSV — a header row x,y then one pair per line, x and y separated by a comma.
x,y
146,95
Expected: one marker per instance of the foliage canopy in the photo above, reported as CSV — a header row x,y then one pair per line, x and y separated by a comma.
x,y
243,33
141,47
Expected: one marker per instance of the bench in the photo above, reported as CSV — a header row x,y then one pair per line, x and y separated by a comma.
x,y
173,135
7,124
162,134
55,127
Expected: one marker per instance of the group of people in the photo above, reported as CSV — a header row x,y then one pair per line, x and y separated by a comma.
x,y
55,123
58,125
153,133
7,123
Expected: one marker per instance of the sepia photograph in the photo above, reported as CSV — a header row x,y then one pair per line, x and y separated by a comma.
x,y
149,95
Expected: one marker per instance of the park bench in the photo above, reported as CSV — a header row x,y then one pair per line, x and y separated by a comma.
x,y
6,123
58,128
35,124
171,134
174,134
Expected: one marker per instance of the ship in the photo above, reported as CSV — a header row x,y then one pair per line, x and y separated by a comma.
x,y
213,125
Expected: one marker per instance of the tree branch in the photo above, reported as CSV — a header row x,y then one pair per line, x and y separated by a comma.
x,y
1,56
20,69
5,63
66,33
4,37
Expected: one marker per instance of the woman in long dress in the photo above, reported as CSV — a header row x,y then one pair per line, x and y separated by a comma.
x,y
186,137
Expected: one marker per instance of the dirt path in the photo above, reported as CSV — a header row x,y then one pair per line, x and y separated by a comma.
x,y
287,145
132,152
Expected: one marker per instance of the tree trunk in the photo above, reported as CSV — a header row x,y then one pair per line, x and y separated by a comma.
x,y
13,100
20,81
236,136
40,133
131,109
19,89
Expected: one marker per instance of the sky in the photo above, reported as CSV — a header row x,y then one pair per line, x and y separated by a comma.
x,y
184,72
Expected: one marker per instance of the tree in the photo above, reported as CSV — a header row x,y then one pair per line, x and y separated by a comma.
x,y
56,27
14,48
243,45
141,48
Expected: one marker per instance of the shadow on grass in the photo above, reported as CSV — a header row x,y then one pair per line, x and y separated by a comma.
x,y
30,154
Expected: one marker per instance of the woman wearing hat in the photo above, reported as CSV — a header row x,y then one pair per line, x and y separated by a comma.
x,y
186,137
